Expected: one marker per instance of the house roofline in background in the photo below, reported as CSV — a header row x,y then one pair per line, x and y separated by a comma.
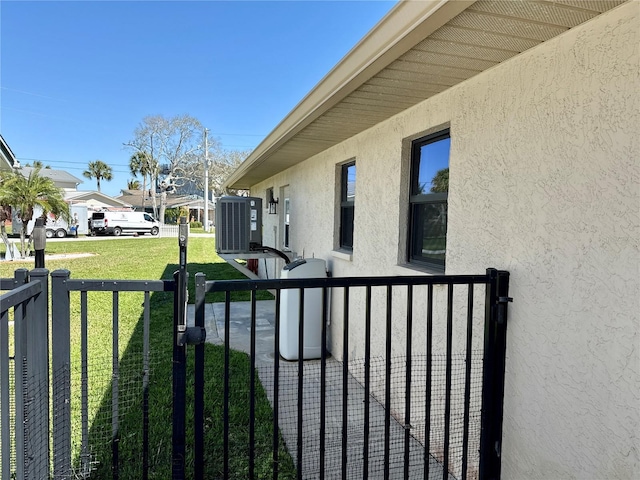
x,y
83,196
58,176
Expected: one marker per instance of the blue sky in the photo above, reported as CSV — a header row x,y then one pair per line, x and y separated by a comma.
x,y
76,78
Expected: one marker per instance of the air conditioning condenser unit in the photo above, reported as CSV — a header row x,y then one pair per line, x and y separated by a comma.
x,y
238,224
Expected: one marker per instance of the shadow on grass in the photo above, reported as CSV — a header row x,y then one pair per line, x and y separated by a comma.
x,y
129,438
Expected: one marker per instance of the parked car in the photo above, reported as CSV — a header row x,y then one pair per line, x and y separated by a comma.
x,y
117,223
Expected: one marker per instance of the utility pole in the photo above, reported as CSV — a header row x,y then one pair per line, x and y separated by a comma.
x,y
206,182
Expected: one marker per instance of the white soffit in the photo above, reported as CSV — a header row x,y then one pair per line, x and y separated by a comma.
x,y
417,50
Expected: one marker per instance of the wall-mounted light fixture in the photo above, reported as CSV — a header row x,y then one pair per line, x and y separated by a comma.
x,y
272,202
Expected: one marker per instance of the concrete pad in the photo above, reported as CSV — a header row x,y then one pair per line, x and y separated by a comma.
x,y
240,326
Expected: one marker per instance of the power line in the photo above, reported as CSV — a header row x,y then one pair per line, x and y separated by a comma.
x,y
54,161
64,167
240,134
118,164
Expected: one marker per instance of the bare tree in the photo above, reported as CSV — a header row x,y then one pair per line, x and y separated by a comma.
x,y
172,143
221,164
223,167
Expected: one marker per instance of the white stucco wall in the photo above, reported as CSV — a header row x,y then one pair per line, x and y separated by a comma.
x,y
545,183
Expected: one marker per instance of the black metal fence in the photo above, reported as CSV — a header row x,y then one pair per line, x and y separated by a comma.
x,y
424,401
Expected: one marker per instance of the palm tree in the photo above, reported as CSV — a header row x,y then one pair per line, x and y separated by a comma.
x,y
133,184
98,170
25,194
142,163
37,164
440,181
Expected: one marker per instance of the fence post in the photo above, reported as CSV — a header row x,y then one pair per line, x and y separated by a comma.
x,y
61,373
198,392
179,356
37,407
495,343
21,313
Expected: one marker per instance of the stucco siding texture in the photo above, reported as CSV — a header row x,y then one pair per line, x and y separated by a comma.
x,y
545,183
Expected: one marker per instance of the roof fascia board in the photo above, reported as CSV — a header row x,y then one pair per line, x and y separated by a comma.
x,y
7,155
408,23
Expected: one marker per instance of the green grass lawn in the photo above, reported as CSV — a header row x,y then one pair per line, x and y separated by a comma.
x,y
153,259
201,230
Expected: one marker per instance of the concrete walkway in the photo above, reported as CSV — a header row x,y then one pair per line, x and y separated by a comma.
x,y
240,337
240,326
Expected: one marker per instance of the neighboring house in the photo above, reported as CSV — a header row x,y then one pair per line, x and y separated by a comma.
x,y
95,200
60,178
530,110
142,201
196,207
7,158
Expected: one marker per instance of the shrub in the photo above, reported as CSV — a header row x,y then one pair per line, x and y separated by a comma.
x,y
195,225
171,215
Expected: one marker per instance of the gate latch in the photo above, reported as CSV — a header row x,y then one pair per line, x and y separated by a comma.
x,y
191,336
502,311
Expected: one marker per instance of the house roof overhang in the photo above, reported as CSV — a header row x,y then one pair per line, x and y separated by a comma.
x,y
419,49
7,158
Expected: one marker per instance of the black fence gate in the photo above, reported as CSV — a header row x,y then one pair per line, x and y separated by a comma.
x,y
413,388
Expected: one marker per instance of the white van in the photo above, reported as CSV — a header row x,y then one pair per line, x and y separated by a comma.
x,y
117,223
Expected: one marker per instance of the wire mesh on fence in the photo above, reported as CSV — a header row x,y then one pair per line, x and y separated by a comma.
x,y
36,416
7,419
354,442
108,382
30,414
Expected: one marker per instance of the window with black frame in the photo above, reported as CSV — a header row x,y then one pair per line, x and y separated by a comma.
x,y
428,200
347,203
